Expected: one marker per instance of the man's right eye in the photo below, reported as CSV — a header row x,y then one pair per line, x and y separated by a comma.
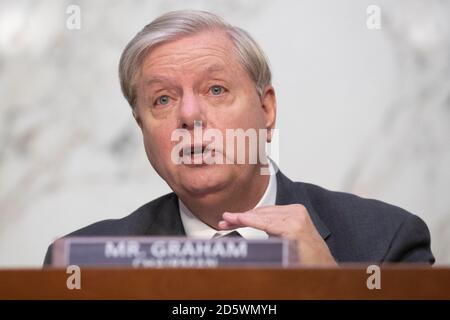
x,y
162,100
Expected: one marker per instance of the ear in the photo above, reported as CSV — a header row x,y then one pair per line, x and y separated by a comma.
x,y
269,105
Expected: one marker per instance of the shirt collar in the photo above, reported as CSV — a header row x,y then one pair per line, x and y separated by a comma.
x,y
196,228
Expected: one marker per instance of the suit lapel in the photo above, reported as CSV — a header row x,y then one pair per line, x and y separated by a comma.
x,y
167,220
289,192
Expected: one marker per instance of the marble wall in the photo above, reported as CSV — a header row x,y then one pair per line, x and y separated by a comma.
x,y
360,110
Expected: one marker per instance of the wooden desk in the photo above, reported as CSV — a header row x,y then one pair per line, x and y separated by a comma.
x,y
340,283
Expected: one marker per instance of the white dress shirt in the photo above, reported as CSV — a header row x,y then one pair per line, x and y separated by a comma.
x,y
196,228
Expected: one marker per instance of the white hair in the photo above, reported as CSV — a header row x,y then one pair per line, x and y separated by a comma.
x,y
177,24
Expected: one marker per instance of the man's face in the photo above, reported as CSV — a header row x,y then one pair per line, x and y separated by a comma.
x,y
198,78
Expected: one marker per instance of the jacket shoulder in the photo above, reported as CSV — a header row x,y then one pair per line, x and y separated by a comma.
x,y
136,223
350,206
368,230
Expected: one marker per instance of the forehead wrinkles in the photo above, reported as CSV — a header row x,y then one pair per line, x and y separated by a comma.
x,y
196,60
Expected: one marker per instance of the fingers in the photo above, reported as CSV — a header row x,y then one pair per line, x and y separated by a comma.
x,y
230,221
225,225
252,219
288,221
284,221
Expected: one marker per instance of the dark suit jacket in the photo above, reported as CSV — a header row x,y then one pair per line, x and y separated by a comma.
x,y
355,229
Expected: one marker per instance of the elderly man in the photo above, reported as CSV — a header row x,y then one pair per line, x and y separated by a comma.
x,y
190,70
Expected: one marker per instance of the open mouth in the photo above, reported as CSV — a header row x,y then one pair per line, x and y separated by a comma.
x,y
198,150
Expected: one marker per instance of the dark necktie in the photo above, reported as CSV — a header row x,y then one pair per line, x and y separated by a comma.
x,y
233,234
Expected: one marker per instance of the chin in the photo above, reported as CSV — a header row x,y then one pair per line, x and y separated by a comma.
x,y
206,181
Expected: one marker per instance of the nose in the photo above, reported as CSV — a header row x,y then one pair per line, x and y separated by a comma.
x,y
191,111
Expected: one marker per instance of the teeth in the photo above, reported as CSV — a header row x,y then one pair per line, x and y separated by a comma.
x,y
193,150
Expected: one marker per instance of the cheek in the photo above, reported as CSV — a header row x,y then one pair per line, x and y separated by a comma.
x,y
247,113
157,144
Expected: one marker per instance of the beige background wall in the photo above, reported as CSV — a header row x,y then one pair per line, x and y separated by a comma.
x,y
363,111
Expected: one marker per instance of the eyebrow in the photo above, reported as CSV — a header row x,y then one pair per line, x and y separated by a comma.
x,y
163,79
157,79
215,68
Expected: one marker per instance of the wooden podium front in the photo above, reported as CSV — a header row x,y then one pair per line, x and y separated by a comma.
x,y
228,284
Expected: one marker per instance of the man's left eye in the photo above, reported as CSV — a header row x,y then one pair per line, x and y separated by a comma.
x,y
216,90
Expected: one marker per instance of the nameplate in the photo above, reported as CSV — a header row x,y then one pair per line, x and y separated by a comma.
x,y
173,252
